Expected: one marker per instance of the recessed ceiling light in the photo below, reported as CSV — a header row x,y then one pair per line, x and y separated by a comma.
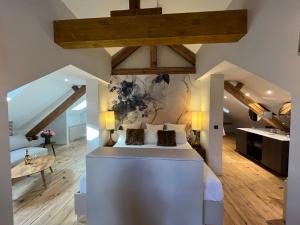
x,y
66,80
247,94
269,92
225,97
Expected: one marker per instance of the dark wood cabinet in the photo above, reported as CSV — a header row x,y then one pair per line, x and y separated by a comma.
x,y
268,152
241,141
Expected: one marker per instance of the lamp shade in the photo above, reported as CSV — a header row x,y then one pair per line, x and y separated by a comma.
x,y
197,120
110,120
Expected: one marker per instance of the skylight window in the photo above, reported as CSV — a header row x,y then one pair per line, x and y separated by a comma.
x,y
80,106
15,92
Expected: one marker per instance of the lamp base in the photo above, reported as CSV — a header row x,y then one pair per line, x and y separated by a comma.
x,y
110,142
196,142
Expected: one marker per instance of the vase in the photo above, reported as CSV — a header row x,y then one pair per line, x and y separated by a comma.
x,y
47,140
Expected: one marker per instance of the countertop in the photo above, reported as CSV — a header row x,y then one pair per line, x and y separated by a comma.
x,y
265,133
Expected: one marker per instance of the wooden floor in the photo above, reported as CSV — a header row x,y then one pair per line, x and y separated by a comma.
x,y
253,196
33,204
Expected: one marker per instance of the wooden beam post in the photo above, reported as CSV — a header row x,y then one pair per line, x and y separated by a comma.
x,y
255,107
185,53
165,29
122,55
153,56
135,12
134,4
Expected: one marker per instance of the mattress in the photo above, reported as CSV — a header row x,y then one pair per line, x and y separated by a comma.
x,y
213,187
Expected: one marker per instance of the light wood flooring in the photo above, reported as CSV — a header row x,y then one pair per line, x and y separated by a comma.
x,y
253,196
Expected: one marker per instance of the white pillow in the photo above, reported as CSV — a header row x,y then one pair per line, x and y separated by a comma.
x,y
150,137
181,137
151,133
136,125
180,132
122,137
17,142
154,127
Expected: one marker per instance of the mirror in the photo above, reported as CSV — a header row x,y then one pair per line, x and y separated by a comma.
x,y
253,116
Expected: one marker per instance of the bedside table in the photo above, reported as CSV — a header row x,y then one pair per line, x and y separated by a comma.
x,y
200,150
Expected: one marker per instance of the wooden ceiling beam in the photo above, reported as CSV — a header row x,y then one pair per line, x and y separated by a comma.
x,y
122,55
239,85
153,56
166,29
157,70
135,12
184,52
57,112
255,107
285,109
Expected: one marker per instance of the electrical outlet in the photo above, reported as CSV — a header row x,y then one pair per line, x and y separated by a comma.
x,y
216,127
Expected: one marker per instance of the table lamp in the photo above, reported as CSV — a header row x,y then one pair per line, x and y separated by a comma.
x,y
197,126
110,125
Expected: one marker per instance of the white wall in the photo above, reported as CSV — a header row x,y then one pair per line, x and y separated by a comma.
x,y
76,121
59,126
6,211
44,93
269,50
27,52
97,104
212,91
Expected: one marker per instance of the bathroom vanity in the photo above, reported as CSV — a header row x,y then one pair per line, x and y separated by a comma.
x,y
265,148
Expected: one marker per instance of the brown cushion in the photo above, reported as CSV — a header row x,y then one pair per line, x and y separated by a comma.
x,y
134,136
166,138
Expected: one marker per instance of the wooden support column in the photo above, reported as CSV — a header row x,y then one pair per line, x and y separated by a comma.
x,y
134,4
136,12
153,56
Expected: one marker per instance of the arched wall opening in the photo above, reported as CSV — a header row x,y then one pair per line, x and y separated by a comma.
x,y
60,83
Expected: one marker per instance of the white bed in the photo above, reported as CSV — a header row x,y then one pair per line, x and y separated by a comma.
x,y
213,186
213,191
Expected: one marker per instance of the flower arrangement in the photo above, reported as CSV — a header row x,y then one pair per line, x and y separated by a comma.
x,y
47,133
